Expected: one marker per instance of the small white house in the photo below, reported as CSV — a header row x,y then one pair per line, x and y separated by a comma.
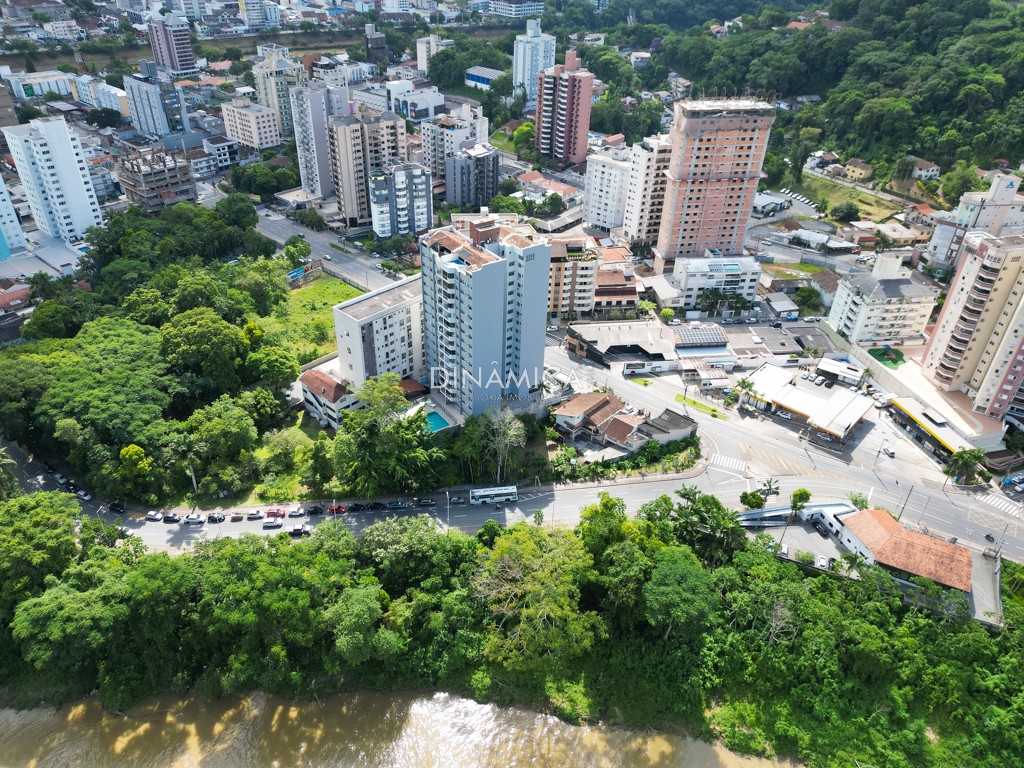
x,y
324,398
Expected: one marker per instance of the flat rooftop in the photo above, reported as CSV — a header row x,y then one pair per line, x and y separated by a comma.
x,y
835,411
383,299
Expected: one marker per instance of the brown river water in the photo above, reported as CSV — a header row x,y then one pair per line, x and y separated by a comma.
x,y
366,729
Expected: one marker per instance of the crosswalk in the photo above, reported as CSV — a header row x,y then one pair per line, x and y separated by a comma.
x,y
739,465
774,464
1003,504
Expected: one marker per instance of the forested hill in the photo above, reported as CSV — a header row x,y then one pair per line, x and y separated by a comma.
x,y
941,79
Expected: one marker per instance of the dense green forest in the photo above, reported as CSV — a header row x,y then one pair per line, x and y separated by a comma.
x,y
669,619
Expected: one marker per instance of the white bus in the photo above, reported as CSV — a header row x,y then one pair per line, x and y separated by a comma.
x,y
493,495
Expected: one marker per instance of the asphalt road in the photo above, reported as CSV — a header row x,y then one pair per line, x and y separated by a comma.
x,y
354,264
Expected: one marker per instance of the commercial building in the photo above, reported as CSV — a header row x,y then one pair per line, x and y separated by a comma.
x,y
426,47
157,107
516,9
484,303
251,124
481,78
401,202
606,187
534,52
977,345
377,52
573,282
361,144
718,148
153,178
55,177
444,136
276,74
172,45
11,236
884,307
381,332
644,345
471,176
645,191
312,106
563,111
735,277
34,85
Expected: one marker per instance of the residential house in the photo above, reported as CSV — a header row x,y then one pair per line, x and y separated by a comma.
x,y
604,419
325,398
857,170
827,283
924,170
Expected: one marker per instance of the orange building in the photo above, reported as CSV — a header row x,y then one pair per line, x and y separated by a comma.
x,y
718,147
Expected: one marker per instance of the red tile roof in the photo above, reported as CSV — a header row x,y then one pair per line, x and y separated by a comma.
x,y
322,385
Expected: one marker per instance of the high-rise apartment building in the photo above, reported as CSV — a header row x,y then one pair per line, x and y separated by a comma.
x,y
11,236
55,176
157,107
444,136
338,69
573,282
153,178
8,116
563,111
359,145
251,124
471,176
376,47
194,10
401,202
999,211
534,52
977,346
607,183
172,46
276,74
253,13
381,332
312,105
426,47
645,191
484,314
718,148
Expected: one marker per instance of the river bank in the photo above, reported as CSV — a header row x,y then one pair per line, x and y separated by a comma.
x,y
394,730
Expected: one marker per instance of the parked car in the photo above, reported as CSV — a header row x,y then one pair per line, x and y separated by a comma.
x,y
776,324
194,519
153,516
552,328
357,507
829,384
675,321
47,466
457,500
215,517
275,512
254,515
297,512
784,550
117,507
823,562
428,503
237,517
819,380
314,509
272,522
784,415
825,438
84,495
751,320
172,517
376,506
71,488
889,452
821,529
397,505
60,479
336,509
805,375
301,530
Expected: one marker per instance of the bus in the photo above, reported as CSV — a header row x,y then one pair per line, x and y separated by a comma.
x,y
493,495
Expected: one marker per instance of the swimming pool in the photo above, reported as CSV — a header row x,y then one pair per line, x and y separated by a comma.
x,y
436,421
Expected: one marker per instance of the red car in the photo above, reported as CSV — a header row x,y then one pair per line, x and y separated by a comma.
x,y
275,513
336,509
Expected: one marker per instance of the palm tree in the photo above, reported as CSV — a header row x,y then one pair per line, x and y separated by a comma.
x,y
853,561
8,481
964,465
42,287
770,487
187,449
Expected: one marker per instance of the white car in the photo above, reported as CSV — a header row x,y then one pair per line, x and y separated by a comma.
x,y
154,517
85,495
823,562
194,519
60,479
552,328
785,415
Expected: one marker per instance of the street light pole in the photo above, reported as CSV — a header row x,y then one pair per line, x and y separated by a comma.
x,y
904,505
448,503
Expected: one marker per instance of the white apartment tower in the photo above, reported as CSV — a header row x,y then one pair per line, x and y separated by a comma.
x,y
251,124
381,332
533,53
484,314
11,236
645,191
977,346
718,148
157,106
276,74
607,182
426,47
444,136
359,145
253,13
312,105
55,176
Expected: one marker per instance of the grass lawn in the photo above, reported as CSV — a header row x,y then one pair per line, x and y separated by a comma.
x,y
703,408
305,323
503,141
784,269
872,208
890,358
